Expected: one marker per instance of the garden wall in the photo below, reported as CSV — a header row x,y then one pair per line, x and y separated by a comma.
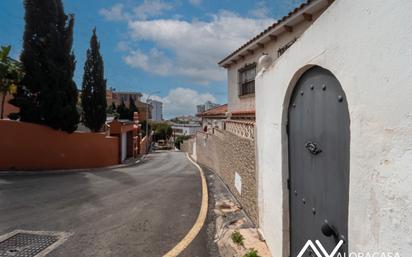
x,y
187,146
27,146
228,154
8,108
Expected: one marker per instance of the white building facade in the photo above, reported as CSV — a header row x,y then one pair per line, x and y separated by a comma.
x,y
242,64
186,129
365,47
157,110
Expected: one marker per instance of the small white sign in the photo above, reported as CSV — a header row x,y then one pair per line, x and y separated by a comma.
x,y
238,182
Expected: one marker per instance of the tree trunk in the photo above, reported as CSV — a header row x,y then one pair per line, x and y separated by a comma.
x,y
2,105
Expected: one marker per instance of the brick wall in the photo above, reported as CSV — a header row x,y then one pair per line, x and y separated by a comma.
x,y
227,153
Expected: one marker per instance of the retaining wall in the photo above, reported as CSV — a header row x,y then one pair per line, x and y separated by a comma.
x,y
27,146
228,154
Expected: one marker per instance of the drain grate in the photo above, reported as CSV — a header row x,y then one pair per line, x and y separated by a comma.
x,y
26,244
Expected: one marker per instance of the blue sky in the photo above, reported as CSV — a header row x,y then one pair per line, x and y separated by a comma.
x,y
170,47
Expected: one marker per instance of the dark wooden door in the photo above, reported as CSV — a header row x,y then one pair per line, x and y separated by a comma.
x,y
318,162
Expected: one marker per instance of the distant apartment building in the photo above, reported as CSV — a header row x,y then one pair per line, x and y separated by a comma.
x,y
207,106
157,110
117,97
200,108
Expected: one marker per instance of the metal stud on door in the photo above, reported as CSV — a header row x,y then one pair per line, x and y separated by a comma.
x,y
318,127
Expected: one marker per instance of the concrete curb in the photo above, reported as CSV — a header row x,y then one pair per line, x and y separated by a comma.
x,y
68,171
229,220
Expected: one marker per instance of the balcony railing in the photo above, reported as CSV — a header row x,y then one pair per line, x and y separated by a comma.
x,y
244,129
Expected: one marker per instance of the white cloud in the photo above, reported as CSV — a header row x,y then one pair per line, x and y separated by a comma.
x,y
196,46
151,8
181,101
115,13
195,2
154,62
122,46
260,11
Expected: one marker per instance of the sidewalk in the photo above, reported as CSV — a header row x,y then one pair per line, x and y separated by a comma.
x,y
227,218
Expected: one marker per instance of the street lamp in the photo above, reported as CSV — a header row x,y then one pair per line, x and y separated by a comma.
x,y
147,117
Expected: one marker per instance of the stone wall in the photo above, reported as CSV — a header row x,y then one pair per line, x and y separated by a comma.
x,y
187,146
228,154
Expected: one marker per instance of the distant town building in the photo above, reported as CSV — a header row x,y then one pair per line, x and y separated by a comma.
x,y
214,118
185,119
117,97
200,108
207,106
186,129
157,110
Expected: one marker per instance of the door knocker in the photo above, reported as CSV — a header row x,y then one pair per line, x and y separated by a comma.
x,y
313,148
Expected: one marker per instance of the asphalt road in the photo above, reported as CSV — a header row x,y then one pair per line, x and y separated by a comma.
x,y
142,211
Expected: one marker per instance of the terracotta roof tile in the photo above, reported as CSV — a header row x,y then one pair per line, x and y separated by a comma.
x,y
246,112
221,110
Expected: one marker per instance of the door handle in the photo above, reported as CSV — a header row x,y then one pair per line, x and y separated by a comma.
x,y
313,148
329,230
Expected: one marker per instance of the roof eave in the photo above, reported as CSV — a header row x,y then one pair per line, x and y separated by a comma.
x,y
292,19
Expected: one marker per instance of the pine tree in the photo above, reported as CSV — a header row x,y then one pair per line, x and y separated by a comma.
x,y
132,108
48,94
94,88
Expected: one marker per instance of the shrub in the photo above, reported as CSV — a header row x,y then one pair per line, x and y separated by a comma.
x,y
252,253
237,238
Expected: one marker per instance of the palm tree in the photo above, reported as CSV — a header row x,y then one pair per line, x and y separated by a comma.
x,y
10,75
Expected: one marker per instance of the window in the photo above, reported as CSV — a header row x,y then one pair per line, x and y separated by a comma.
x,y
247,79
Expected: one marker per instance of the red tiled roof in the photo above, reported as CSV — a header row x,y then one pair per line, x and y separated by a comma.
x,y
246,112
278,23
217,111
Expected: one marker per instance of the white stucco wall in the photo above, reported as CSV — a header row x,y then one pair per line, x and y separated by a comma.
x,y
367,45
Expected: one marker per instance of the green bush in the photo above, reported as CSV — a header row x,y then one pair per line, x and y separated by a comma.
x,y
237,238
162,130
252,253
179,140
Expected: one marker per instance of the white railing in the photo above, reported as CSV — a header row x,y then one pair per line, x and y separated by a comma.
x,y
241,128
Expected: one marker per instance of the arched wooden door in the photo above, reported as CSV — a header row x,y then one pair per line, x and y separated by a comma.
x,y
318,131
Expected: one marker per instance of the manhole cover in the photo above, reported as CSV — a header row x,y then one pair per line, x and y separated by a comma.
x,y
30,243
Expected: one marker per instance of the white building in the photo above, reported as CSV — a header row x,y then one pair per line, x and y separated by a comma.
x,y
186,129
340,100
157,110
242,65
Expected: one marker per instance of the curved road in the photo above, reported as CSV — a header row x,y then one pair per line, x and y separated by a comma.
x,y
143,210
